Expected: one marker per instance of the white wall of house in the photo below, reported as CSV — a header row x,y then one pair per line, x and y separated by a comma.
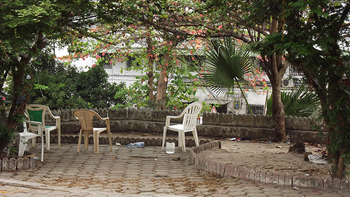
x,y
115,74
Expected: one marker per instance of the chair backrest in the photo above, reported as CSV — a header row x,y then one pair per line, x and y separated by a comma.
x,y
85,118
36,112
191,114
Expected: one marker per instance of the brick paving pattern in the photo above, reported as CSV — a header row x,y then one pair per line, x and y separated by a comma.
x,y
147,171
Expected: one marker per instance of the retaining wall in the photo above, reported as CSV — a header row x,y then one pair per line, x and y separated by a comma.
x,y
213,124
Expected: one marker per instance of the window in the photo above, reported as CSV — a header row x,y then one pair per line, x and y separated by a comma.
x,y
131,62
256,109
107,58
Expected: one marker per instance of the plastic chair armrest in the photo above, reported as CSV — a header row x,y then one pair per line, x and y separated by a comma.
x,y
167,122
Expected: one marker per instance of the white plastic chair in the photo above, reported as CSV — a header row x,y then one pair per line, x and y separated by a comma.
x,y
35,112
190,115
85,118
25,136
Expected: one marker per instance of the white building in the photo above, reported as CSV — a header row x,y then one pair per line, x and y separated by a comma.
x,y
235,103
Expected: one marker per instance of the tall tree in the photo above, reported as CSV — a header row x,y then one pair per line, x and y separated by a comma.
x,y
317,41
26,29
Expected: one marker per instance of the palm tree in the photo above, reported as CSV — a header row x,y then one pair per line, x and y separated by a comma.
x,y
300,103
225,67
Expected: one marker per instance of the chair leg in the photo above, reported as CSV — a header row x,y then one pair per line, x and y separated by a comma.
x,y
86,140
42,148
195,136
164,134
79,141
179,139
47,136
59,137
183,141
34,139
22,147
110,140
96,141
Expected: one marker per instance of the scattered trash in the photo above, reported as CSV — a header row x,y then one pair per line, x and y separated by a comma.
x,y
36,158
287,139
278,146
307,175
295,188
136,145
317,159
233,139
176,158
118,144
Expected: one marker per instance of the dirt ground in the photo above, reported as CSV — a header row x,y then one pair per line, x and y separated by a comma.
x,y
272,157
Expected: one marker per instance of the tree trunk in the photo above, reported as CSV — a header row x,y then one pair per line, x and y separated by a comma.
x,y
278,113
162,83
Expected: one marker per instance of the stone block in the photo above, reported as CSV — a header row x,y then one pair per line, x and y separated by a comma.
x,y
26,163
20,163
262,177
215,144
269,177
251,175
147,142
303,182
159,142
4,164
336,184
319,183
191,143
263,121
12,164
257,176
237,171
296,181
122,141
344,184
230,170
281,180
311,182
212,166
226,119
221,168
328,184
288,181
207,146
275,178
191,157
244,173
31,162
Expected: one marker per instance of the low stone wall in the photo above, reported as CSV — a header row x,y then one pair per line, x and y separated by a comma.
x,y
213,124
17,164
229,170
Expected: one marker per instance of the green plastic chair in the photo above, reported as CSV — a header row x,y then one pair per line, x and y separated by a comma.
x,y
35,112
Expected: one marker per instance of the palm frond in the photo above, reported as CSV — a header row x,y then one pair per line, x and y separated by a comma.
x,y
300,103
225,67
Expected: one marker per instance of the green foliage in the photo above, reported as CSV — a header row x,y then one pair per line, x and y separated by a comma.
x,y
299,102
62,87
